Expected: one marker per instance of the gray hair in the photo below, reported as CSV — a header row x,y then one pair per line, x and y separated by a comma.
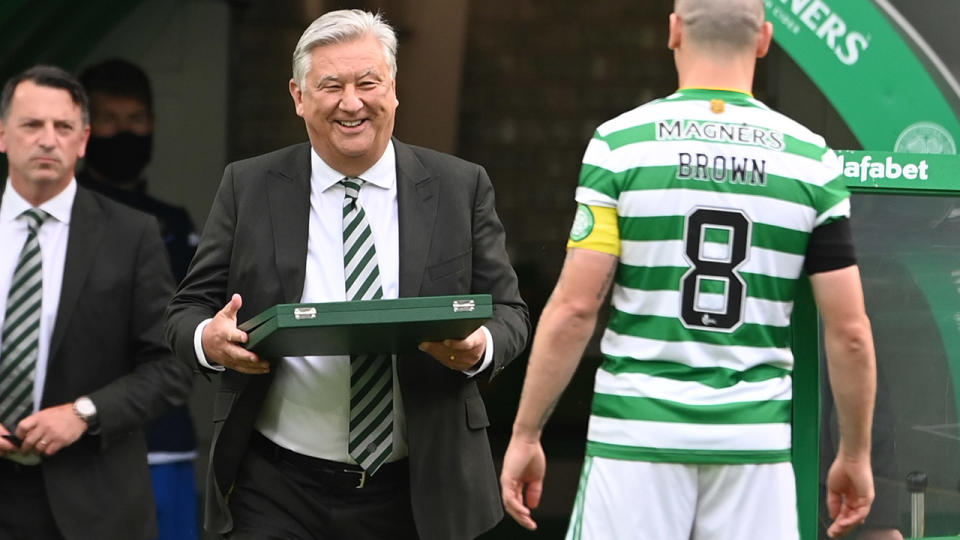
x,y
724,24
339,27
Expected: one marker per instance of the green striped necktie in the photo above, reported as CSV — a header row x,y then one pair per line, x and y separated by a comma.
x,y
21,327
371,375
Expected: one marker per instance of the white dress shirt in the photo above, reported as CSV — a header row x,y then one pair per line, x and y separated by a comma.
x,y
307,408
52,236
295,414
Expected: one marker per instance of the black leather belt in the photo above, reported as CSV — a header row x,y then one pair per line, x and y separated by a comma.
x,y
340,475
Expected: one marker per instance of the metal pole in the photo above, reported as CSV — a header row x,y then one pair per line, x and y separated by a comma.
x,y
917,485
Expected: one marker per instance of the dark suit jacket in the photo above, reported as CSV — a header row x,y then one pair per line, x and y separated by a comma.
x,y
451,242
107,343
174,431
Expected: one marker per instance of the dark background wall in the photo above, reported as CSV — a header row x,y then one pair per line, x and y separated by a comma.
x,y
539,76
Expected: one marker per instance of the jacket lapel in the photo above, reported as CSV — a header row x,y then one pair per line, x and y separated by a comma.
x,y
288,191
86,229
417,199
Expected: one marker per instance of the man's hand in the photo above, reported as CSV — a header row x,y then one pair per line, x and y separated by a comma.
x,y
6,446
849,494
458,354
221,341
48,431
521,480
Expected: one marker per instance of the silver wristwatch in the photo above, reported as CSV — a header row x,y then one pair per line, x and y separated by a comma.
x,y
84,408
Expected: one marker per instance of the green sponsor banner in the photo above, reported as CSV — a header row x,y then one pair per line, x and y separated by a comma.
x,y
859,60
890,100
901,172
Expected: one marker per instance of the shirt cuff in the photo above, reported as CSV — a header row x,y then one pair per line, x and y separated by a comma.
x,y
487,355
198,347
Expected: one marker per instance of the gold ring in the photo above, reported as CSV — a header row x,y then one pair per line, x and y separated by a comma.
x,y
41,443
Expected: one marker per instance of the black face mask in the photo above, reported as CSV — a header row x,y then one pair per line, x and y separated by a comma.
x,y
120,158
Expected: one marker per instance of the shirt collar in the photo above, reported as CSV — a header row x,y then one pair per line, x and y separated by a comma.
x,y
59,207
383,174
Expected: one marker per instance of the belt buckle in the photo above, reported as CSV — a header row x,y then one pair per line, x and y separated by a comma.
x,y
363,477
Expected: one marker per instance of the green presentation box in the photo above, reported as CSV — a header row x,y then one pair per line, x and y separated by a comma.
x,y
367,326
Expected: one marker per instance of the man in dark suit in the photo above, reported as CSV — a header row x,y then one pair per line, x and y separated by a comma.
x,y
284,229
79,382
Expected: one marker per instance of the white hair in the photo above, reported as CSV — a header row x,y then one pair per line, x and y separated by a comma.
x,y
339,27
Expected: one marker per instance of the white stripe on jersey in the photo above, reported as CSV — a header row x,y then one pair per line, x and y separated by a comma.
x,y
692,393
694,354
671,253
841,209
716,437
680,202
667,304
596,150
694,110
765,261
585,195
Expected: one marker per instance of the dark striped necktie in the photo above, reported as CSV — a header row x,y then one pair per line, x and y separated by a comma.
x,y
21,327
371,375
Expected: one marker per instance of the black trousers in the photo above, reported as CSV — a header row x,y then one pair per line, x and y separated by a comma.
x,y
24,510
280,495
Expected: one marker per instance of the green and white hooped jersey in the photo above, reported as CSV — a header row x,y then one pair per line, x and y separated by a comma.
x,y
716,196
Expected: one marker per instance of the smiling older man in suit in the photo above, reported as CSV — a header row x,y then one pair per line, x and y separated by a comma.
x,y
83,366
284,463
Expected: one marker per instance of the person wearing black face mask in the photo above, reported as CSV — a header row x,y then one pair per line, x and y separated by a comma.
x,y
119,158
118,151
120,147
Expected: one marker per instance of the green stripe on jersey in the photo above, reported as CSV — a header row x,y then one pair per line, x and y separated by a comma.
x,y
664,177
668,278
804,148
602,180
721,236
708,285
670,329
663,228
650,278
779,238
770,287
648,229
663,410
714,377
631,135
679,455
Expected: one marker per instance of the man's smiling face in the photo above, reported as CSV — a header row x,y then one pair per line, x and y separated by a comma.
x,y
348,102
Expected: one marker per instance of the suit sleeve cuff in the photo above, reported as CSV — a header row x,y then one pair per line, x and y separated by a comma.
x,y
198,347
487,355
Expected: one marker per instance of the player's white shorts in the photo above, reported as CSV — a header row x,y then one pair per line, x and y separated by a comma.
x,y
639,500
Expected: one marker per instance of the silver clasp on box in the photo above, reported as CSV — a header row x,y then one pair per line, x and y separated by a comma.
x,y
304,313
464,305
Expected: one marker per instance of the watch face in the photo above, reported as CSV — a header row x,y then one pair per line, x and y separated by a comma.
x,y
85,408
